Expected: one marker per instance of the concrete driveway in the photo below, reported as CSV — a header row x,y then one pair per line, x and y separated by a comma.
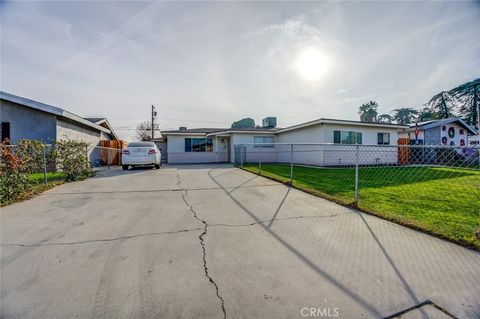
x,y
216,242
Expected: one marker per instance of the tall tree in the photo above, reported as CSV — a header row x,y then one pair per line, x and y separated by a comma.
x,y
404,115
244,123
442,105
368,112
143,132
426,114
385,118
468,97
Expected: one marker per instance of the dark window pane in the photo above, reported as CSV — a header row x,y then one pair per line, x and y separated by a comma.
x,y
209,146
5,131
336,137
188,145
359,138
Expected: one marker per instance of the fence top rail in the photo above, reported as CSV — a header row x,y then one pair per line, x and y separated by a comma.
x,y
364,145
16,145
90,147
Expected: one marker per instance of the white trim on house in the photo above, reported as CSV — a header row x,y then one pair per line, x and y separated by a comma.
x,y
434,123
340,122
230,132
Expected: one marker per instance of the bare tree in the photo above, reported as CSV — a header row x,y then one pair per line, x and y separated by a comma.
x,y
143,132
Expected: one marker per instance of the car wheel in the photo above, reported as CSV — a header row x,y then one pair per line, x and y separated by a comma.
x,y
125,167
157,166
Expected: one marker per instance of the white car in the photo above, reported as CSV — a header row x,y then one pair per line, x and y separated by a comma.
x,y
141,154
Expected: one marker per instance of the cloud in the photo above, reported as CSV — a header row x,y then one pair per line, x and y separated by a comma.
x,y
223,61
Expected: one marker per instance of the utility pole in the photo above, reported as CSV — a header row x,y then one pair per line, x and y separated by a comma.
x,y
154,113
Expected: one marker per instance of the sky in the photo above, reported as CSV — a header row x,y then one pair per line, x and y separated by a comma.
x,y
207,64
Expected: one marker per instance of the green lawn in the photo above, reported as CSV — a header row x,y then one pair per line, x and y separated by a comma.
x,y
38,178
442,201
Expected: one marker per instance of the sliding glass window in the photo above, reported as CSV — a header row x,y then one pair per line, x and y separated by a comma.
x,y
198,144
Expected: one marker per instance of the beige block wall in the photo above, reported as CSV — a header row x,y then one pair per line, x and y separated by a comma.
x,y
67,130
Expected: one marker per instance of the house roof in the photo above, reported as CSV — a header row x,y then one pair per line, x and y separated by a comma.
x,y
202,130
95,119
103,122
435,123
216,131
53,110
344,122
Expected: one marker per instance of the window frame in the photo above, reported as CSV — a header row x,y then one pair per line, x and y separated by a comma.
x,y
382,142
198,144
263,144
347,137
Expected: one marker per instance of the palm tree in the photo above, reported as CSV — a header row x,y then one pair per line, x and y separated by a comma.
x,y
468,96
404,115
385,118
442,105
368,112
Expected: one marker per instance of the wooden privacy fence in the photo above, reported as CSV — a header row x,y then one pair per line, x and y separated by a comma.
x,y
110,152
403,153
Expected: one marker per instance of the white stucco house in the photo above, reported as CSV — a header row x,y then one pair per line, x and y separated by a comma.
x,y
210,145
452,132
272,144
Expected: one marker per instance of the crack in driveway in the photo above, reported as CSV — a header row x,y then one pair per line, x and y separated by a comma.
x,y
203,245
89,241
104,239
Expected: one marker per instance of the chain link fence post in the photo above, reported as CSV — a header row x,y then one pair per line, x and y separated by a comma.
x,y
291,164
241,156
259,167
357,160
45,164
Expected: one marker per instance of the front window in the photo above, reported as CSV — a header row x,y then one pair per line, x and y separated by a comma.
x,y
198,145
383,138
347,137
263,141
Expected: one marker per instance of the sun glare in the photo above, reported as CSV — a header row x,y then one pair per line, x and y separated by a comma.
x,y
311,64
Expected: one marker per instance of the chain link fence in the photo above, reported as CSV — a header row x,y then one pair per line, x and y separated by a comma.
x,y
411,184
42,164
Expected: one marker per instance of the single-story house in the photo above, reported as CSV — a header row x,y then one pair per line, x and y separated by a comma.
x,y
452,131
211,145
22,118
271,144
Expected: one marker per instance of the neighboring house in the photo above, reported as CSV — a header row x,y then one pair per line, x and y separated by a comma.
x,y
451,131
23,118
474,140
207,145
339,138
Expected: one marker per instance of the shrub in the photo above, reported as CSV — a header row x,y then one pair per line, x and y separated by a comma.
x,y
31,152
13,175
72,159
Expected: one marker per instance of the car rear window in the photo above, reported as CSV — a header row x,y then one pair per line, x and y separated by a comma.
x,y
141,144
